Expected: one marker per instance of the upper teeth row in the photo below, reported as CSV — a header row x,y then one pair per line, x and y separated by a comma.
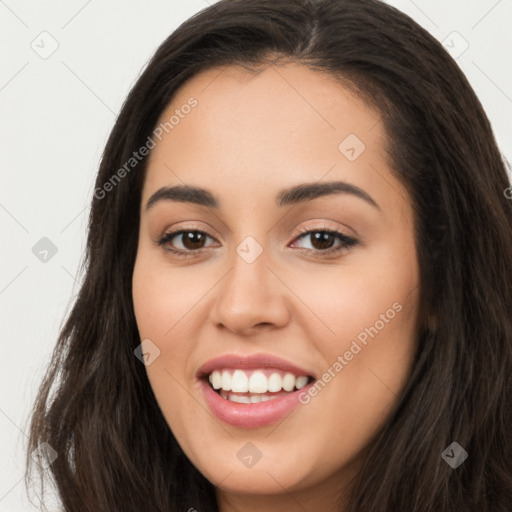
x,y
239,382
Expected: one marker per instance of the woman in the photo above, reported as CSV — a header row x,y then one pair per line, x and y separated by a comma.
x,y
235,368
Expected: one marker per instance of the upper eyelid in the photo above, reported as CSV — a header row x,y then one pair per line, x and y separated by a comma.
x,y
185,229
302,231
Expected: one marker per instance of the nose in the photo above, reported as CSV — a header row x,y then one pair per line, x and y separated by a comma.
x,y
251,297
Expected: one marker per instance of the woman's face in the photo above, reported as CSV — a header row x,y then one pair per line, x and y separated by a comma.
x,y
265,295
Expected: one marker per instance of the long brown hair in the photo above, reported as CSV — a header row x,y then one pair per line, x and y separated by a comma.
x,y
95,407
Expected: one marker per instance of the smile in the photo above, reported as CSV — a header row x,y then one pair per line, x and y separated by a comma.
x,y
235,388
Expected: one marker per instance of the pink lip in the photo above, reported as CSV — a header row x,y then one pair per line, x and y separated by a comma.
x,y
254,361
250,415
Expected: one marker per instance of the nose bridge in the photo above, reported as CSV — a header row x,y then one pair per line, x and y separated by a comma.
x,y
250,293
248,279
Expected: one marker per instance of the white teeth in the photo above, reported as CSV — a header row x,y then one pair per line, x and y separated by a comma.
x,y
275,383
226,380
248,399
258,382
289,382
301,381
241,399
216,379
238,381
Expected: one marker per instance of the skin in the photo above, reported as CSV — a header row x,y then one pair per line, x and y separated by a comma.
x,y
250,136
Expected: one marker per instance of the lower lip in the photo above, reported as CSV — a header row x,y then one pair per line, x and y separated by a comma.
x,y
250,415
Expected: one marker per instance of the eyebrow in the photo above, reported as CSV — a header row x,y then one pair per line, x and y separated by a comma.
x,y
290,196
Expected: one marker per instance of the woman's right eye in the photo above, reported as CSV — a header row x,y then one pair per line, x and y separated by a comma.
x,y
191,241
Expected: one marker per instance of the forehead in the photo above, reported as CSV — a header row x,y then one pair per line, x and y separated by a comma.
x,y
277,126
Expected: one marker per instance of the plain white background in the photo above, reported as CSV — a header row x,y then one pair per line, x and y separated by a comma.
x,y
56,112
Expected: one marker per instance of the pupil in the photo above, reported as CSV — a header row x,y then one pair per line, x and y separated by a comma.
x,y
323,238
193,238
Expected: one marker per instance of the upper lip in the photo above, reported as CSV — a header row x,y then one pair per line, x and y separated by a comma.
x,y
253,361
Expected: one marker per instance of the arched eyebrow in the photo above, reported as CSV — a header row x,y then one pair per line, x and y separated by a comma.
x,y
290,196
309,191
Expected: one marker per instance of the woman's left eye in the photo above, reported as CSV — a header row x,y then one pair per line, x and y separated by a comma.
x,y
192,241
322,241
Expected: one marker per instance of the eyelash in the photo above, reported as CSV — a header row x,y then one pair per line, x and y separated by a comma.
x,y
346,242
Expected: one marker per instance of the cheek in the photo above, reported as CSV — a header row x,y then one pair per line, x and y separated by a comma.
x,y
162,298
365,326
161,316
374,300
162,302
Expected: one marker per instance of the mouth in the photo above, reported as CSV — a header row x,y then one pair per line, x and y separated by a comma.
x,y
252,391
253,386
